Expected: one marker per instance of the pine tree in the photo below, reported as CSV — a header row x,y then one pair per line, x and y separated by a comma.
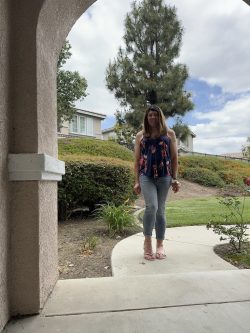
x,y
182,131
145,71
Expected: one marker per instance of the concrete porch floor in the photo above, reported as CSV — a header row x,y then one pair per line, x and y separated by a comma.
x,y
193,290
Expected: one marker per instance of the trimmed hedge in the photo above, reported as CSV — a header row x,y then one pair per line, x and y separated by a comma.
x,y
203,176
89,184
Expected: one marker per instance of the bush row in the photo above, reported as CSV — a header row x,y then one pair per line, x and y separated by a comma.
x,y
211,171
89,184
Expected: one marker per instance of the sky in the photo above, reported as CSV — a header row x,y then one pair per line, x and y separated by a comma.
x,y
215,48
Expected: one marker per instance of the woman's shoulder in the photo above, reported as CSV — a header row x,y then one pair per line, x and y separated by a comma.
x,y
139,136
171,134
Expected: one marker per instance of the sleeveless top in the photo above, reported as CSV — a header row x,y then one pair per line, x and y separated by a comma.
x,y
155,157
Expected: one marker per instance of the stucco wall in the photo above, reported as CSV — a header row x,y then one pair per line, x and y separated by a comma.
x,y
4,234
97,128
48,239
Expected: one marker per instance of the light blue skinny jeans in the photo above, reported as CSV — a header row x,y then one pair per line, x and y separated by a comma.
x,y
155,191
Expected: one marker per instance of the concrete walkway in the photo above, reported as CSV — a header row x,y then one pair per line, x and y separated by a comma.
x,y
193,290
188,249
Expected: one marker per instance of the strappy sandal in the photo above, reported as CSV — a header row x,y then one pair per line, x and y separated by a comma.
x,y
148,253
149,256
160,253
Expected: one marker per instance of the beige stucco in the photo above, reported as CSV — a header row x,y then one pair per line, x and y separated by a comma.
x,y
30,44
32,34
97,128
4,147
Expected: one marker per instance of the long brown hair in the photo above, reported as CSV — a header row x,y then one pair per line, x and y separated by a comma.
x,y
162,121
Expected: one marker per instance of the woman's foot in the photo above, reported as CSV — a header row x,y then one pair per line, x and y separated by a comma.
x,y
148,253
160,253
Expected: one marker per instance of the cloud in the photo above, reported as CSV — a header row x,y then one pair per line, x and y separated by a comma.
x,y
216,43
225,130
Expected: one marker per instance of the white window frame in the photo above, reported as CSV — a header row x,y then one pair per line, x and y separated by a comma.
x,y
88,125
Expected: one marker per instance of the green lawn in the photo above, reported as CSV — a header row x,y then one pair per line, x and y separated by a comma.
x,y
197,211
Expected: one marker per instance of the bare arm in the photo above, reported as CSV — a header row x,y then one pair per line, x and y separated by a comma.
x,y
138,138
174,160
174,153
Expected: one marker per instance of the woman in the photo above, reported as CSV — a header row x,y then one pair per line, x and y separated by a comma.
x,y
156,163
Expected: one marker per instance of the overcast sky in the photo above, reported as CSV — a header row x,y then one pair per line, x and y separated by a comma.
x,y
215,47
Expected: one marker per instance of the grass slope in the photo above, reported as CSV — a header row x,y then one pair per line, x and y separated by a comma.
x,y
197,211
78,148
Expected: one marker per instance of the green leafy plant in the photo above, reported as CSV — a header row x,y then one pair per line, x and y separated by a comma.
x,y
233,209
117,218
90,243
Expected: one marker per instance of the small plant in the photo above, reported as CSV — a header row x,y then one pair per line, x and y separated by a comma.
x,y
117,218
89,244
233,209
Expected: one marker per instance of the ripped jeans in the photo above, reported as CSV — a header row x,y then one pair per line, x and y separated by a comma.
x,y
155,192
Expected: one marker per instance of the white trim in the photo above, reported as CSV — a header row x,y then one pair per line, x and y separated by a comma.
x,y
88,126
34,166
92,114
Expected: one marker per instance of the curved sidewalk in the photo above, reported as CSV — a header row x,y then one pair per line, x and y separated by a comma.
x,y
188,249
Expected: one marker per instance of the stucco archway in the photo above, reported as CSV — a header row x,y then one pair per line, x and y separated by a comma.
x,y
32,33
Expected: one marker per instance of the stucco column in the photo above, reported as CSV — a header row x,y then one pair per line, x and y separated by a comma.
x,y
37,32
33,167
34,259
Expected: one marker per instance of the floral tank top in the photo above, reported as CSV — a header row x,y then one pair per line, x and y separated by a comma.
x,y
155,157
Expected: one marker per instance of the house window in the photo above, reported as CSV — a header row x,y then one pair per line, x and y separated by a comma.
x,y
73,125
81,125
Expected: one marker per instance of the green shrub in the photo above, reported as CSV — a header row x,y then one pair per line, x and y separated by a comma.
x,y
229,177
228,171
117,218
89,184
203,176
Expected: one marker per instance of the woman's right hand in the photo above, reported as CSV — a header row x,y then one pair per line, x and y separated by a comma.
x,y
137,188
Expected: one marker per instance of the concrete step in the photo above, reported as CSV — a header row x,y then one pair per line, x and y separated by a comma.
x,y
213,302
150,291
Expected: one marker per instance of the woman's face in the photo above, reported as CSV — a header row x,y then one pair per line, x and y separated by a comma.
x,y
153,118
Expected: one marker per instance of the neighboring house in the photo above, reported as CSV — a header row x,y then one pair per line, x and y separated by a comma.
x,y
83,123
183,147
186,146
109,133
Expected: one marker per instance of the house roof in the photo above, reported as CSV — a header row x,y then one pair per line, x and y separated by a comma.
x,y
91,113
237,155
108,130
111,129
